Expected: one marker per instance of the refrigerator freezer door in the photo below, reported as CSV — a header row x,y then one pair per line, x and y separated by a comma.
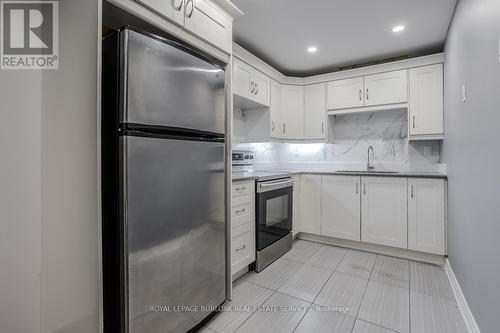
x,y
173,212
164,85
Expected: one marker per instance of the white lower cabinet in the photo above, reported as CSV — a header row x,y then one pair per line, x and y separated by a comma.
x,y
310,204
426,215
296,205
341,211
384,211
242,225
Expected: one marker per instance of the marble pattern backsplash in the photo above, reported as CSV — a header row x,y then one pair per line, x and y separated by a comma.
x,y
386,131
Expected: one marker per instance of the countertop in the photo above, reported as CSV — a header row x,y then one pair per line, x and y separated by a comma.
x,y
280,173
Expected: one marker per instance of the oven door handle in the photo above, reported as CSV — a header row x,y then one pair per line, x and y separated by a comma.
x,y
269,186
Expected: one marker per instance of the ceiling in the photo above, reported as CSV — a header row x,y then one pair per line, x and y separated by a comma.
x,y
346,32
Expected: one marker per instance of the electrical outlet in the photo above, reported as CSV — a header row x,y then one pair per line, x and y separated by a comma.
x,y
464,92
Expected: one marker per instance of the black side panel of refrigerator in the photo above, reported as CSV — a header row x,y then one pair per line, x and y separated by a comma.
x,y
112,236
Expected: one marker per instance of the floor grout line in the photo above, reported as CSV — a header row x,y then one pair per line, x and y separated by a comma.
x,y
366,288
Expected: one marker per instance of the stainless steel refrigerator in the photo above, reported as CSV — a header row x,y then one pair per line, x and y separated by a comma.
x,y
163,175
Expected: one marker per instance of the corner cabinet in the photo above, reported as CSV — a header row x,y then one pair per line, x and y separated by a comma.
x,y
275,111
315,111
292,113
384,211
201,17
340,207
426,102
426,215
310,204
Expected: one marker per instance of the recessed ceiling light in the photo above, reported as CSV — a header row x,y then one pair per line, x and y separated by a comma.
x,y
398,28
312,49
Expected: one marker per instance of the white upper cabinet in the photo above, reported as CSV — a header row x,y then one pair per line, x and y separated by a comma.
x,y
261,89
206,20
386,88
426,215
315,111
201,17
371,90
384,211
426,101
292,111
310,204
348,93
275,110
242,77
341,212
251,84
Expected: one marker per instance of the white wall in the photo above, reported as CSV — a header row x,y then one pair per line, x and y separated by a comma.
x,y
471,150
48,193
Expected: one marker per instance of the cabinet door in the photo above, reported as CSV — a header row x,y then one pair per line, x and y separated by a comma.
x,y
310,204
341,211
384,211
242,77
293,112
296,205
207,21
275,110
426,229
261,88
163,7
346,93
386,88
426,100
314,111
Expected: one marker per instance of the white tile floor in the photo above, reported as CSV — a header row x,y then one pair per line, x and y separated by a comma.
x,y
320,288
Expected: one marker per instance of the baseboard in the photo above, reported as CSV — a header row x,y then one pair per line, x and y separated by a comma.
x,y
374,248
469,320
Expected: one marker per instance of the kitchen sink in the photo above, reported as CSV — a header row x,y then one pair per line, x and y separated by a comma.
x,y
367,171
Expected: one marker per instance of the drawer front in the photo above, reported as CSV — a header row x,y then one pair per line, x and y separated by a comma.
x,y
243,188
242,248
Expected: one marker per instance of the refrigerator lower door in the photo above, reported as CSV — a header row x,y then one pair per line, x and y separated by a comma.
x,y
164,84
174,225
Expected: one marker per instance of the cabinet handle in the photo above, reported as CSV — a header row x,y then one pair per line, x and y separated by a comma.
x,y
412,191
241,248
413,121
273,125
256,89
178,7
364,189
284,128
360,98
252,86
366,93
323,127
357,188
190,14
239,189
240,211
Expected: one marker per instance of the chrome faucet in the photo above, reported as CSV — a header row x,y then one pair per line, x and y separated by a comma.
x,y
369,166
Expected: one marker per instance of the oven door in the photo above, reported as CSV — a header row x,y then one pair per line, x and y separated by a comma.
x,y
274,211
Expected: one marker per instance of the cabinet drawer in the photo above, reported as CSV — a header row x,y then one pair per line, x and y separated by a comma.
x,y
242,248
241,213
243,188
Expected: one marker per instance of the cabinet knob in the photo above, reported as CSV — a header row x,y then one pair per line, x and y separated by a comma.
x,y
284,128
256,89
366,93
360,97
323,127
252,87
273,125
241,248
413,118
412,191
